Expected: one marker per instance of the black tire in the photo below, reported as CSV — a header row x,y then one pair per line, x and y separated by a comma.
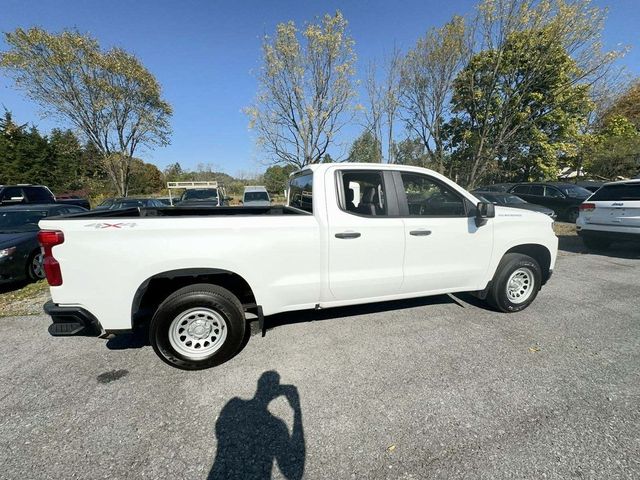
x,y
202,295
596,243
572,215
498,296
34,274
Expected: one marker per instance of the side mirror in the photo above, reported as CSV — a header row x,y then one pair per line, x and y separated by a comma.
x,y
484,210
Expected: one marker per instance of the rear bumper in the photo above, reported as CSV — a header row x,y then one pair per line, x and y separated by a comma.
x,y
609,235
69,321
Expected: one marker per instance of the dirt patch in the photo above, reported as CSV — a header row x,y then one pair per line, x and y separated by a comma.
x,y
23,299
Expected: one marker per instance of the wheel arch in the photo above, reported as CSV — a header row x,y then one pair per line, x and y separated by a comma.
x,y
155,289
538,252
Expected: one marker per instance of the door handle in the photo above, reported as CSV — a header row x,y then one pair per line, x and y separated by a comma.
x,y
420,233
347,235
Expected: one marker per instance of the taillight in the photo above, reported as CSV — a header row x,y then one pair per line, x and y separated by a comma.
x,y
49,239
587,207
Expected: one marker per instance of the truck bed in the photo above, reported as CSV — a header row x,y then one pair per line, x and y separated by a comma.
x,y
190,212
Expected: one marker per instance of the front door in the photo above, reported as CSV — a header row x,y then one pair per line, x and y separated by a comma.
x,y
445,250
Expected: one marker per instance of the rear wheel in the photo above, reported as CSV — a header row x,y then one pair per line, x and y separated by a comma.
x,y
596,243
516,283
198,327
35,266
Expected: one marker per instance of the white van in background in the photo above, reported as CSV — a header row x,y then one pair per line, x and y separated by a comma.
x,y
256,197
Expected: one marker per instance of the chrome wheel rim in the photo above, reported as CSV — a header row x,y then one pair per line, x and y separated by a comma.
x,y
37,266
197,333
520,285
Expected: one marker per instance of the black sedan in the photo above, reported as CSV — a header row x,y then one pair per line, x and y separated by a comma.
x,y
563,198
20,256
513,201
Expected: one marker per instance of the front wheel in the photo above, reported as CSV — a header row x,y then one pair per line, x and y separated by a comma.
x,y
516,283
197,327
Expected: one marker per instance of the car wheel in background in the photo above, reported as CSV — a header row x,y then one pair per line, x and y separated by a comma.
x,y
596,243
35,266
197,327
516,283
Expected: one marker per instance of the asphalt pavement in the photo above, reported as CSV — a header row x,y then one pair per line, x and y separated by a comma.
x,y
431,388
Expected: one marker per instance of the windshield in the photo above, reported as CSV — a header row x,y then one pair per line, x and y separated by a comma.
x,y
20,220
256,197
512,200
620,191
575,191
201,194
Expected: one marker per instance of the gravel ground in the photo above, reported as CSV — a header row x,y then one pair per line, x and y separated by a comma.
x,y
432,388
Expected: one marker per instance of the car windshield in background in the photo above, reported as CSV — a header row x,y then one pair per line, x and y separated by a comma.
x,y
511,200
256,197
20,220
617,192
200,194
127,204
575,191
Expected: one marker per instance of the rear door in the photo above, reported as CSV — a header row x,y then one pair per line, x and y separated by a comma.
x,y
615,205
366,236
445,250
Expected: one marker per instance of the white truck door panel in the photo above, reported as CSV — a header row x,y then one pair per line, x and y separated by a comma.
x,y
366,248
444,249
454,255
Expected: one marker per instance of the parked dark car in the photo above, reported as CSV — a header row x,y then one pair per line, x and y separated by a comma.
x,y
73,200
513,201
25,194
20,256
563,198
129,202
496,187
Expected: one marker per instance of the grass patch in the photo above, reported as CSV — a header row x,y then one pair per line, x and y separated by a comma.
x,y
23,299
563,229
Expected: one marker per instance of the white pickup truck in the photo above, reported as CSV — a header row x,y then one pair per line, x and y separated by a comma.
x,y
349,234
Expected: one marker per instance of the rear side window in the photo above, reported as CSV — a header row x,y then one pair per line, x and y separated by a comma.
x,y
364,193
521,189
537,190
38,195
617,192
11,192
301,192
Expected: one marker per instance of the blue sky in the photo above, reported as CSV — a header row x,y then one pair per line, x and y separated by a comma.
x,y
205,55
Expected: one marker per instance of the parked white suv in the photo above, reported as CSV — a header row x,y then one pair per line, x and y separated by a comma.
x,y
611,214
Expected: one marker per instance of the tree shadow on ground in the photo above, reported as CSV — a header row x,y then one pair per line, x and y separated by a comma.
x,y
574,244
250,438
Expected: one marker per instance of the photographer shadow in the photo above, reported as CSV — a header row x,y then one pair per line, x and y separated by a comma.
x,y
250,437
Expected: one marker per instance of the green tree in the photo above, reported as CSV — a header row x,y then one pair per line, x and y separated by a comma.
x,y
107,95
615,150
365,148
428,72
305,91
411,151
146,178
518,109
68,172
276,177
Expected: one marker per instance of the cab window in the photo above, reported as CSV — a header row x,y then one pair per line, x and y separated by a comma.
x,y
428,197
364,193
301,192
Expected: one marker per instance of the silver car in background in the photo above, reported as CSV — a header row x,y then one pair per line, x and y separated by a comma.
x,y
256,196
